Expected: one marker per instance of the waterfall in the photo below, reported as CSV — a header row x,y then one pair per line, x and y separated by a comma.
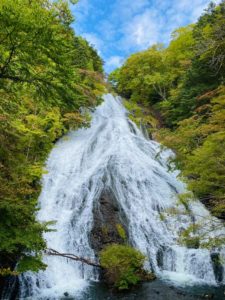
x,y
113,153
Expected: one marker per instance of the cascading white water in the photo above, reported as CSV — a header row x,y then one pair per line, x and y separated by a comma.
x,y
113,153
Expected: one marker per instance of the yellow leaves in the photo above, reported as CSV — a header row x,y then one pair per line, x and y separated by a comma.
x,y
8,272
74,120
45,124
99,89
35,171
151,120
165,136
19,126
207,30
180,49
74,116
141,115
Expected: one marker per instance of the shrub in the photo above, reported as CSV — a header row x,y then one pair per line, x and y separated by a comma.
x,y
123,266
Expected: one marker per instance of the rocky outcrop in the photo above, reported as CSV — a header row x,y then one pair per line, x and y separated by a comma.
x,y
109,222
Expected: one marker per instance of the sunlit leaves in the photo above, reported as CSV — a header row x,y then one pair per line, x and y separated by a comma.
x,y
46,75
182,86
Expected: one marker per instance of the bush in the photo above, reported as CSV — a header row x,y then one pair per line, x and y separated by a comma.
x,y
123,266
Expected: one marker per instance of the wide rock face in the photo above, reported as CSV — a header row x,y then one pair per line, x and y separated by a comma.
x,y
108,218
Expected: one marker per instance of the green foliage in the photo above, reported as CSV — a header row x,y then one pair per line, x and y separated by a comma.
x,y
121,231
123,265
191,242
199,142
147,77
144,76
30,263
206,233
183,87
210,39
141,115
46,75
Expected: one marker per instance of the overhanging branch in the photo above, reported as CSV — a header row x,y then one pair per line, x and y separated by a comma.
x,y
53,252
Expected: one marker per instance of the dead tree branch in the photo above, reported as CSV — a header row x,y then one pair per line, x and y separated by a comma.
x,y
72,256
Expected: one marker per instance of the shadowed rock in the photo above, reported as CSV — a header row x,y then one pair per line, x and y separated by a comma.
x,y
108,215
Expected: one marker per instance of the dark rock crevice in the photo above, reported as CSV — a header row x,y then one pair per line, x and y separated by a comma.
x,y
9,285
108,216
217,266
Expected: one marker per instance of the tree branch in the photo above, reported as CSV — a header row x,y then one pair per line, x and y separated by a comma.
x,y
4,67
53,252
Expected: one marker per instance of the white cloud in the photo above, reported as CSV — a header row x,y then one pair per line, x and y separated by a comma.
x,y
82,9
108,30
114,62
120,27
141,31
124,9
156,22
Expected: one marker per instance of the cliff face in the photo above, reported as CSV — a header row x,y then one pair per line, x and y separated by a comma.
x,y
108,218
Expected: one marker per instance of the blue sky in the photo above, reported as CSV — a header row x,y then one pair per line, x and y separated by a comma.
x,y
117,28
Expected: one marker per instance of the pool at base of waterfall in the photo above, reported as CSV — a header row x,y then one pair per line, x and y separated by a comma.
x,y
155,290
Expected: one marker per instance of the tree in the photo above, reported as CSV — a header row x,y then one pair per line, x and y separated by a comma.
x,y
42,88
182,86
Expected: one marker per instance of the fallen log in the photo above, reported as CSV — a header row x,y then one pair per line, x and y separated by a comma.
x,y
72,256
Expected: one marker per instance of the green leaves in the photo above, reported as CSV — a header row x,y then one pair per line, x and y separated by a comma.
x,y
123,265
30,263
182,87
46,75
121,231
149,76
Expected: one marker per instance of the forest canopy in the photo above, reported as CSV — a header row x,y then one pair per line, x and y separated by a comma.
x,y
181,87
47,74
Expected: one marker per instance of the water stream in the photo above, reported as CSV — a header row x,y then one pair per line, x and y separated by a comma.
x,y
113,153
